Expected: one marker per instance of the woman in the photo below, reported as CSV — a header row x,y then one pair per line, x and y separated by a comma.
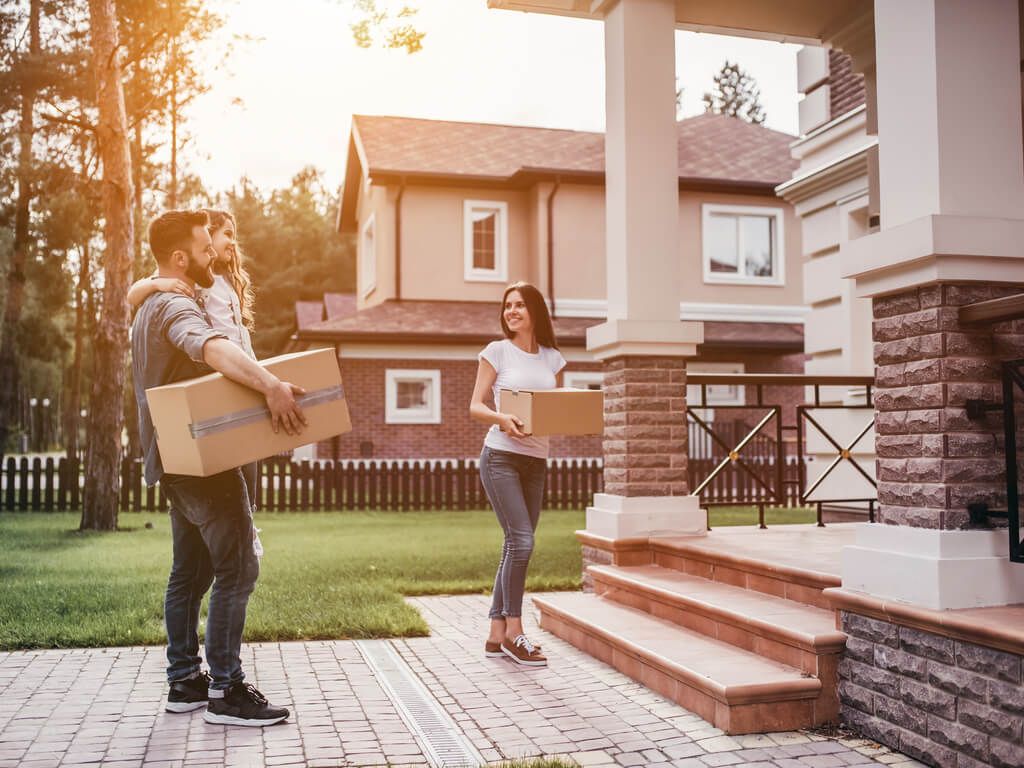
x,y
227,304
513,465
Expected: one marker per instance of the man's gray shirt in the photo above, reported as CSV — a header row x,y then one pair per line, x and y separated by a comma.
x,y
168,335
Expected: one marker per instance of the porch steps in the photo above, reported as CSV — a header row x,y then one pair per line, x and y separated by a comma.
x,y
786,631
735,690
745,640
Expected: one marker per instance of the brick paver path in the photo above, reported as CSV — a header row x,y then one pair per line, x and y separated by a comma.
x,y
88,707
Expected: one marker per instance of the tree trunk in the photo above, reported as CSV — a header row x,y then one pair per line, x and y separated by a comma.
x,y
131,413
19,251
74,398
172,192
106,401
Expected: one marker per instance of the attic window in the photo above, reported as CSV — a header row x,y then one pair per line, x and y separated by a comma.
x,y
485,225
742,244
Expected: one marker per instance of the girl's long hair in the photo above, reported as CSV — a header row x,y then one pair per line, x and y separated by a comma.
x,y
543,330
235,270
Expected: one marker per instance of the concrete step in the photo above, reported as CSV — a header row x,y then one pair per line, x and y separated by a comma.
x,y
754,568
786,631
736,690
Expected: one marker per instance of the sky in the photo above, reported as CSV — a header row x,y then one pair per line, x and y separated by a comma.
x,y
286,98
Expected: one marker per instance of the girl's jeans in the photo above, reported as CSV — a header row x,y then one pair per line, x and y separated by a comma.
x,y
515,487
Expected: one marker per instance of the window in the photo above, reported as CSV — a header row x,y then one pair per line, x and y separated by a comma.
x,y
717,394
584,379
742,244
367,259
485,240
412,397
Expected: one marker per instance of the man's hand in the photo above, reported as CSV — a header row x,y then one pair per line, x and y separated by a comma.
x,y
284,411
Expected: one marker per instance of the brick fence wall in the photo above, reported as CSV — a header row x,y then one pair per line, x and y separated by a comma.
x,y
944,702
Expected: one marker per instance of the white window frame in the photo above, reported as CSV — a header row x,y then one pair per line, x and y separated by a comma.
x,y
582,379
500,272
779,268
393,414
368,257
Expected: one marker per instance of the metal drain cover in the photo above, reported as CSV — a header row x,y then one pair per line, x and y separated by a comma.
x,y
443,742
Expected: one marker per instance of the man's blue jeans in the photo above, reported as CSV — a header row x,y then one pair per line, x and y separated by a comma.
x,y
515,487
211,524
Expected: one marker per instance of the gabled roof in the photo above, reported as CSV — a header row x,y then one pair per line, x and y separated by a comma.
x,y
476,322
715,151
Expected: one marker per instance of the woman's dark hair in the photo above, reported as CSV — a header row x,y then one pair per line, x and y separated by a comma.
x,y
543,330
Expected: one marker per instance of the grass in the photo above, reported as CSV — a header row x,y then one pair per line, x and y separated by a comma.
x,y
725,516
325,575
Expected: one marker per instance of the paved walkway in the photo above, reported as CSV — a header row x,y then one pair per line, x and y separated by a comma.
x,y
82,707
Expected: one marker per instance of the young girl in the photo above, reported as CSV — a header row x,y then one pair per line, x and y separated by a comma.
x,y
513,465
227,304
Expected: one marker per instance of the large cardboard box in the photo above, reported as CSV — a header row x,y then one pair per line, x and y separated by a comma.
x,y
210,424
562,411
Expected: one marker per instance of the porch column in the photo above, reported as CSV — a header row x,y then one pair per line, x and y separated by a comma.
x,y
951,195
643,344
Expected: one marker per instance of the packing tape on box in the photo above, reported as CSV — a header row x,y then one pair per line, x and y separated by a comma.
x,y
253,415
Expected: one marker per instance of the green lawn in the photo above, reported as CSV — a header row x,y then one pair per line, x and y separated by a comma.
x,y
324,575
723,516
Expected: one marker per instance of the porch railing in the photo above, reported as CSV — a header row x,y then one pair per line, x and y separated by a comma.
x,y
759,437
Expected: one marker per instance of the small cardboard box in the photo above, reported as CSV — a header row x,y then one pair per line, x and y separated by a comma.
x,y
562,411
210,424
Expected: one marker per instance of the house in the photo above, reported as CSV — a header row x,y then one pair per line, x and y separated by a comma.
x,y
448,213
929,597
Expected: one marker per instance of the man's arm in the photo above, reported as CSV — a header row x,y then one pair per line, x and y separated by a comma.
x,y
185,328
223,356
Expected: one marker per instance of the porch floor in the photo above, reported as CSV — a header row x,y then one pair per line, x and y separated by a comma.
x,y
790,547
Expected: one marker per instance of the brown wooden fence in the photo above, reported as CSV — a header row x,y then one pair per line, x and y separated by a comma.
x,y
287,485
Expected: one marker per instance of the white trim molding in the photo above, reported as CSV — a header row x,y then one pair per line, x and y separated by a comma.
x,y
429,414
778,244
583,379
368,257
692,310
471,273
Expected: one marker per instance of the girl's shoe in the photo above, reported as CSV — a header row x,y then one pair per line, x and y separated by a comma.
x,y
523,652
492,650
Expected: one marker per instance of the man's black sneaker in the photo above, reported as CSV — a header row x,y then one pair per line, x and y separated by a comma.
x,y
189,694
243,705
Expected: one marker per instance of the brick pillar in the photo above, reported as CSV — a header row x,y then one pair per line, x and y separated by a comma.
x,y
645,438
932,460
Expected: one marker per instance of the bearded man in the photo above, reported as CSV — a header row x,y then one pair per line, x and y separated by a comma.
x,y
211,517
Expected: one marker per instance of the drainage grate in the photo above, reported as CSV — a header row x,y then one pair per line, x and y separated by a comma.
x,y
444,743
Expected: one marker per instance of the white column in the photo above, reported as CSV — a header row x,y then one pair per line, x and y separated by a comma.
x,y
642,186
950,148
643,258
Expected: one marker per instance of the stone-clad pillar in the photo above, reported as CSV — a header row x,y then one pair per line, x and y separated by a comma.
x,y
645,426
951,202
932,459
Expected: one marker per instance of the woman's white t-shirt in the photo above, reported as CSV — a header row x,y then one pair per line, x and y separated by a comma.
x,y
517,369
220,302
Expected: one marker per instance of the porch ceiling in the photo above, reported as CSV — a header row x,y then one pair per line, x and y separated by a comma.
x,y
795,21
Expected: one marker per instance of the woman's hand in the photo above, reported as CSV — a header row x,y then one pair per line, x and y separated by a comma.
x,y
513,425
173,285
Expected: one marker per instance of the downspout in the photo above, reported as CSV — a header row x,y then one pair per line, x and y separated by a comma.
x,y
398,240
551,243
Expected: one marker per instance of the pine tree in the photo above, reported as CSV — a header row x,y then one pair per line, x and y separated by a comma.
x,y
735,94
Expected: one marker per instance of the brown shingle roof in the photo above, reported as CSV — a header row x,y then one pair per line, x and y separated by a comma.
x,y
454,322
711,147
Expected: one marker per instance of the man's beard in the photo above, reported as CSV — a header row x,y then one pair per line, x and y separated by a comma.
x,y
202,277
